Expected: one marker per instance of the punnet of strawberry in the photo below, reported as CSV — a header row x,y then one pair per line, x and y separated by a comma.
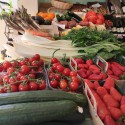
x,y
22,75
110,102
86,69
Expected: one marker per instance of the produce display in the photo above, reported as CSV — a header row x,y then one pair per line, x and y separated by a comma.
x,y
48,92
110,103
88,70
62,77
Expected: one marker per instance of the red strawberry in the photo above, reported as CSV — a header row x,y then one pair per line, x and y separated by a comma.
x,y
83,66
123,100
104,76
114,77
89,83
115,113
96,84
110,101
123,109
109,72
109,65
109,83
119,66
109,121
89,62
88,73
115,94
101,91
94,69
95,77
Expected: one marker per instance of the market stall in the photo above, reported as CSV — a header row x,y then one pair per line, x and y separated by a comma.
x,y
66,65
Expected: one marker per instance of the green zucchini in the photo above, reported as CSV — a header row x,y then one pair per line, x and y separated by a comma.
x,y
76,117
38,96
35,113
54,123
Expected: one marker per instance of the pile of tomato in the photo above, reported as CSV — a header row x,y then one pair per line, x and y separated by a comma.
x,y
62,77
22,75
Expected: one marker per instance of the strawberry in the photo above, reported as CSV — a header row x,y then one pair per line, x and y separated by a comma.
x,y
101,91
95,77
83,66
115,94
96,84
102,111
109,72
109,121
123,109
116,70
94,69
114,77
110,101
89,62
104,76
109,65
109,83
119,66
115,113
89,83
79,60
123,100
88,73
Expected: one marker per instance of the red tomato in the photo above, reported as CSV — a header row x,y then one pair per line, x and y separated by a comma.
x,y
74,86
54,66
101,17
26,59
33,86
40,69
2,90
66,71
23,78
36,57
32,76
75,79
63,84
23,62
15,63
60,68
54,83
41,62
57,76
14,88
10,70
99,21
19,75
42,85
24,87
35,63
54,60
1,68
51,76
6,79
6,64
25,69
12,80
31,59
90,13
92,19
73,73
32,70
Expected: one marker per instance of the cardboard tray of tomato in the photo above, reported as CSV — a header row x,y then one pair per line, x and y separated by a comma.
x,y
106,103
87,69
112,68
61,77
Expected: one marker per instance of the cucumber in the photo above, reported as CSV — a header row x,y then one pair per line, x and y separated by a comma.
x,y
35,113
76,117
38,96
